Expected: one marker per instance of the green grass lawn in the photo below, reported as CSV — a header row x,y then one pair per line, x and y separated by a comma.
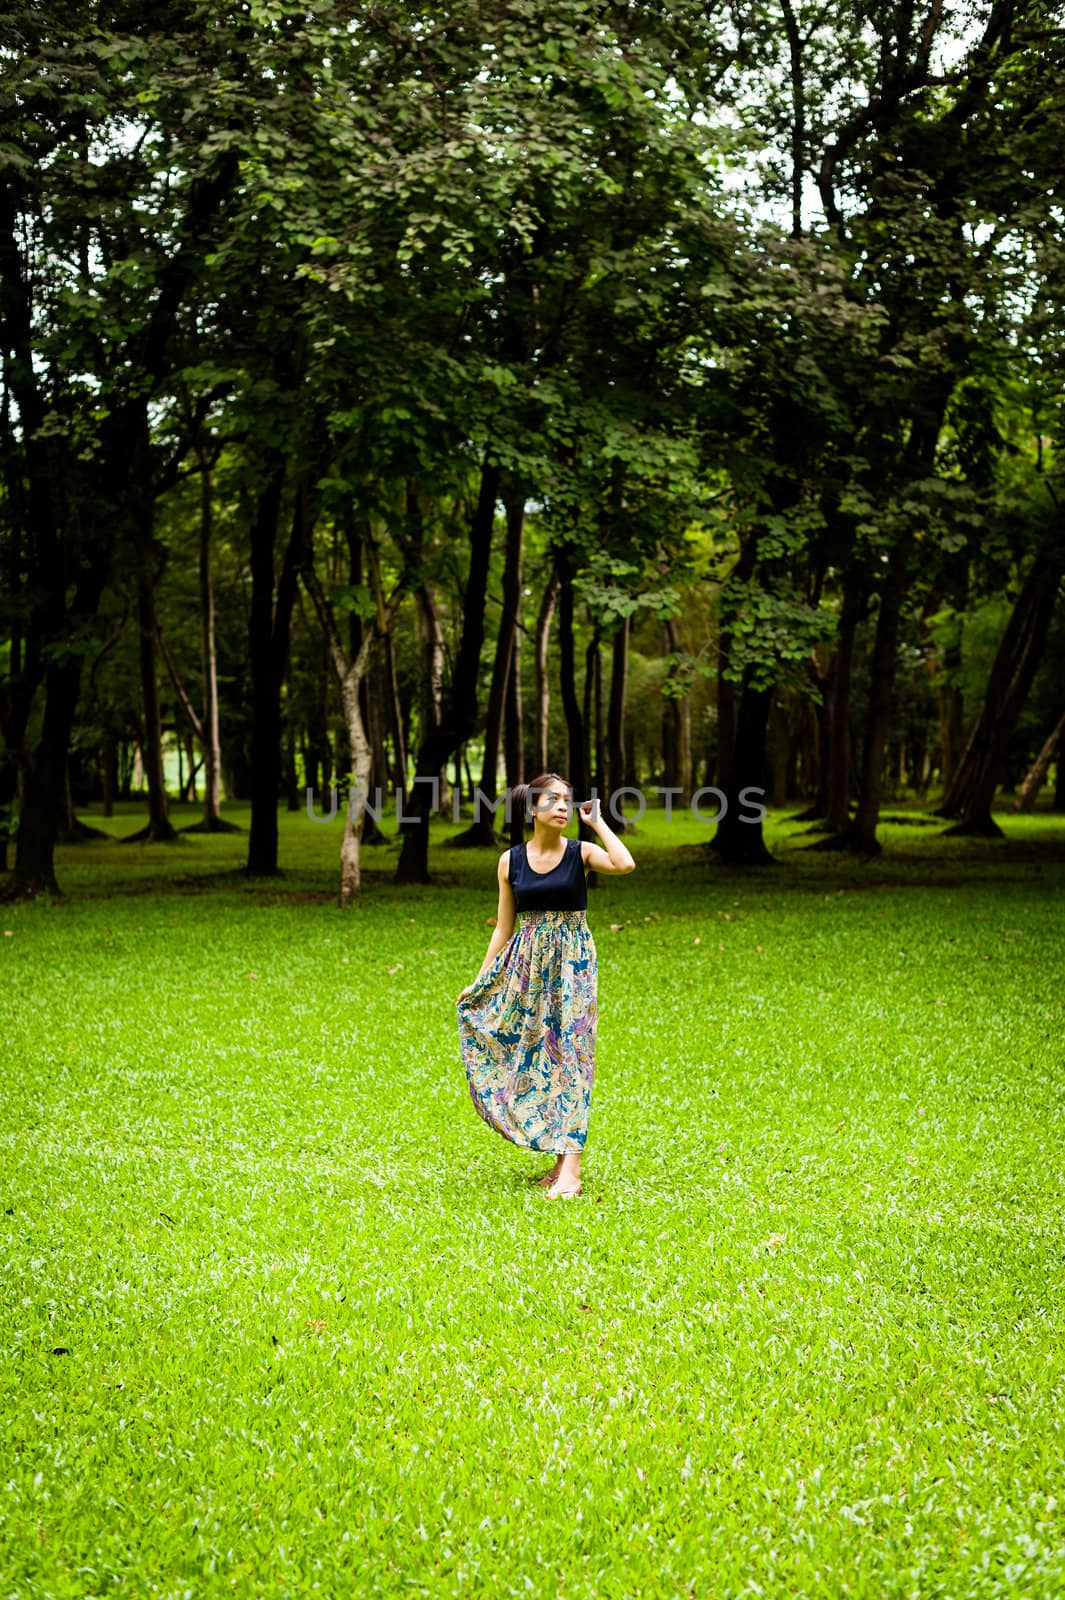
x,y
282,1317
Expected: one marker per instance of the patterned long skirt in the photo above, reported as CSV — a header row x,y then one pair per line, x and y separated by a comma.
x,y
527,1032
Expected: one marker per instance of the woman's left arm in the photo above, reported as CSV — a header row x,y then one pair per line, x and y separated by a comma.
x,y
612,855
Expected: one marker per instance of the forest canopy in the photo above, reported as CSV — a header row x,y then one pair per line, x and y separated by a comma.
x,y
421,398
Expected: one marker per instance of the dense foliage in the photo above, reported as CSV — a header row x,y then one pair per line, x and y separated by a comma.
x,y
706,359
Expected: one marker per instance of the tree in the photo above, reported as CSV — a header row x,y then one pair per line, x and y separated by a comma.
x,y
101,244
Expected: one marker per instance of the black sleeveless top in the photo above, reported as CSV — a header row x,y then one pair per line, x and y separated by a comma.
x,y
564,888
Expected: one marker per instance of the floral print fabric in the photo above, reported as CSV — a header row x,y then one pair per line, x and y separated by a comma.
x,y
527,1032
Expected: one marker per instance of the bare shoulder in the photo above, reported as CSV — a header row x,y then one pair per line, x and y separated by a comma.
x,y
503,868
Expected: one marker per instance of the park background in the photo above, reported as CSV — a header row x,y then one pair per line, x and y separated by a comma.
x,y
669,395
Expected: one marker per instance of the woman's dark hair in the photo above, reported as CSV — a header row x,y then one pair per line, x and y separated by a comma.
x,y
524,796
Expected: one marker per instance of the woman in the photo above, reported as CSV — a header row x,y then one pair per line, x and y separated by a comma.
x,y
527,1022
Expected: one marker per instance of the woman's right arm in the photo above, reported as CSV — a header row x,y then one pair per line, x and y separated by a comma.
x,y
506,915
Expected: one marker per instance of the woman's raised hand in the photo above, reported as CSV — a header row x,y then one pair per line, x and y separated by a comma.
x,y
589,812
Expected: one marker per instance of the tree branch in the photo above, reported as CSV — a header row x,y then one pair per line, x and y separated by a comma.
x,y
179,688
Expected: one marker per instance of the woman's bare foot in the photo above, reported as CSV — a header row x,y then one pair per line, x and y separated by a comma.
x,y
567,1179
549,1177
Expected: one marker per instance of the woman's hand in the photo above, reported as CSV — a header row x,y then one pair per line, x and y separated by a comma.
x,y
589,812
464,993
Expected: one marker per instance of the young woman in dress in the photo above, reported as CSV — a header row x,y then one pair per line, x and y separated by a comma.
x,y
527,1022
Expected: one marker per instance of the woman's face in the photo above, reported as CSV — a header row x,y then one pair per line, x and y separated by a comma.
x,y
552,804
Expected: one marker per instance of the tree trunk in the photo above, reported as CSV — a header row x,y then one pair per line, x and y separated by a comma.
x,y
41,811
920,760
194,768
196,726
543,682
268,640
350,676
1016,663
431,701
69,830
813,753
370,691
591,651
399,742
16,701
578,759
204,729
9,784
951,732
680,723
743,716
809,753
159,829
514,732
726,718
23,677
482,831
951,707
292,782
361,786
351,673
372,831
600,720
838,762
108,766
316,732
830,811
372,698
212,750
860,835
44,767
616,768
738,840
779,745
126,748
683,730
460,718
